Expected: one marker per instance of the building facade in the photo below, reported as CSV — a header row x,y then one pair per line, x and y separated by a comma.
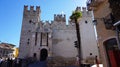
x,y
108,36
5,50
50,39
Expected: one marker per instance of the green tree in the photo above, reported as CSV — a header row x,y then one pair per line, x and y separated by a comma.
x,y
75,17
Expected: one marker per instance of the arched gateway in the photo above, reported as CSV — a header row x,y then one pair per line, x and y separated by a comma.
x,y
43,54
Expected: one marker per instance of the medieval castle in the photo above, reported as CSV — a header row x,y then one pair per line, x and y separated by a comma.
x,y
49,39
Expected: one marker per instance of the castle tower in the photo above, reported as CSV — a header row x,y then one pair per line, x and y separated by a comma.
x,y
30,19
89,46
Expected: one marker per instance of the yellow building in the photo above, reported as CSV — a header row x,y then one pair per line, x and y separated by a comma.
x,y
15,53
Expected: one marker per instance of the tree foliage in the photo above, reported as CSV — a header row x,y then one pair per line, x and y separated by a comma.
x,y
76,15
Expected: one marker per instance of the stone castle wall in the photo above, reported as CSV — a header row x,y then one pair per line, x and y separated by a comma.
x,y
61,42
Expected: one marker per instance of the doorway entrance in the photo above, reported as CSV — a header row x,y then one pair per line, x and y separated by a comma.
x,y
43,54
113,54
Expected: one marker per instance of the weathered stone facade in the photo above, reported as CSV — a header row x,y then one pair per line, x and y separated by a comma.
x,y
56,37
105,29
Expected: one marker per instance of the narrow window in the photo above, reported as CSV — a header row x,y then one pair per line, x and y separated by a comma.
x,y
47,39
34,55
28,41
90,54
41,40
30,21
36,38
86,22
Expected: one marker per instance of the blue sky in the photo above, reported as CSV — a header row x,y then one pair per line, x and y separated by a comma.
x,y
11,12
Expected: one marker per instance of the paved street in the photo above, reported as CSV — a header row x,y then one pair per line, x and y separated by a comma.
x,y
70,66
42,64
39,64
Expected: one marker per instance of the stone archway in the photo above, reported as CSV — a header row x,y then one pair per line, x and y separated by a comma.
x,y
43,54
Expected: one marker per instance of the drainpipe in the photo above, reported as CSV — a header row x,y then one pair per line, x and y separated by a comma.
x,y
118,38
47,39
117,33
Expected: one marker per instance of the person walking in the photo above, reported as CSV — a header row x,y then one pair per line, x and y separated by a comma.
x,y
77,60
0,61
96,61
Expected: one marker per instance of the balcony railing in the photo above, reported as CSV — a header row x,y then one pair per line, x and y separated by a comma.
x,y
93,3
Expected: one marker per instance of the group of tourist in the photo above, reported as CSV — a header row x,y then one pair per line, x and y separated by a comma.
x,y
10,62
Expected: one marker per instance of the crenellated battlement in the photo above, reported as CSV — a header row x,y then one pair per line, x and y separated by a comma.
x,y
85,12
84,9
60,17
31,8
45,21
78,9
81,9
26,9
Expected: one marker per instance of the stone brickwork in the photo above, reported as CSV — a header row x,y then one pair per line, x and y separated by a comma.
x,y
61,62
30,18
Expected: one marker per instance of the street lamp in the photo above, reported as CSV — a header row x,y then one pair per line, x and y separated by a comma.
x,y
117,33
